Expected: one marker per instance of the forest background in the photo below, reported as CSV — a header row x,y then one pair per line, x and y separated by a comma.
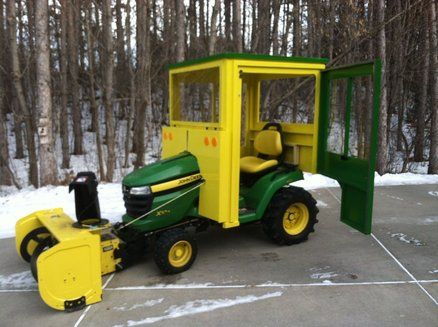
x,y
84,84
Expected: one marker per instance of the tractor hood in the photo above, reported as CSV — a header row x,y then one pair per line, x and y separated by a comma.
x,y
165,170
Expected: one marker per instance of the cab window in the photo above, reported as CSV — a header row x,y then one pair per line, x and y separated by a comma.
x,y
195,96
288,100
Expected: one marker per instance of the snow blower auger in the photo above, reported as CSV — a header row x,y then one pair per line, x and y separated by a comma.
x,y
221,164
68,258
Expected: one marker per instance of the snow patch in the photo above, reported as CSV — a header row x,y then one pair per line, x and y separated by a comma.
x,y
406,239
433,193
22,279
200,306
315,181
321,204
327,282
434,271
430,220
404,179
324,275
22,203
394,197
149,303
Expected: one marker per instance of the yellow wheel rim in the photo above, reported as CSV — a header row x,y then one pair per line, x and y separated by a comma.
x,y
296,218
180,254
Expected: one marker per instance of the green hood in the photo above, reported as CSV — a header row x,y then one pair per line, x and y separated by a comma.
x,y
162,171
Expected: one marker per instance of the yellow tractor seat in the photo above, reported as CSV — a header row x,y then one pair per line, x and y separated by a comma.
x,y
269,146
255,165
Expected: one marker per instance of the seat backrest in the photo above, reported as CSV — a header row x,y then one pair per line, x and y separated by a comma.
x,y
268,142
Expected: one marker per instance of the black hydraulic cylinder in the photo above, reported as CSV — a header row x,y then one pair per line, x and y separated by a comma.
x,y
86,199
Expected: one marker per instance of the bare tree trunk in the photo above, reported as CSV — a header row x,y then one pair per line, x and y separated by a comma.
x,y
421,111
297,28
382,151
213,28
180,30
264,26
63,63
237,27
284,37
122,82
48,170
5,177
433,155
202,25
132,88
18,130
191,11
24,110
276,13
143,75
107,77
227,22
399,85
92,92
74,76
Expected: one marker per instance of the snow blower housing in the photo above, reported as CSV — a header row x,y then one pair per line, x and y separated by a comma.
x,y
231,150
68,258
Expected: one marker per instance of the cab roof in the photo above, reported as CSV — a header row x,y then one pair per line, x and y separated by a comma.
x,y
247,56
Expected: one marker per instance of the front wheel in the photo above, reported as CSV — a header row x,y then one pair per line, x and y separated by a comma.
x,y
290,216
175,251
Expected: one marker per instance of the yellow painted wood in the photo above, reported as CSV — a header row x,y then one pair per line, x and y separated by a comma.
x,y
174,141
219,165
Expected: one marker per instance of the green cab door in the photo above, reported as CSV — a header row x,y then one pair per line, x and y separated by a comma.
x,y
347,137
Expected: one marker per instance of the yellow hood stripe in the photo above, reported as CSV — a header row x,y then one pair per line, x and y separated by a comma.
x,y
175,183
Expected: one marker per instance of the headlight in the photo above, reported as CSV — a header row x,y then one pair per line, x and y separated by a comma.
x,y
142,190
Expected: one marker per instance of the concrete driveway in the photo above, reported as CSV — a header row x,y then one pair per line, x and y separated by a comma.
x,y
338,277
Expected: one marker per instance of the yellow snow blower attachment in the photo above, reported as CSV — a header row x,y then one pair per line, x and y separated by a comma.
x,y
68,258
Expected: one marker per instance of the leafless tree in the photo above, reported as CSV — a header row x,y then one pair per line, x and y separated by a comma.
x,y
47,160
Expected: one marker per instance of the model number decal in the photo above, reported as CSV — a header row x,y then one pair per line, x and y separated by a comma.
x,y
162,212
189,179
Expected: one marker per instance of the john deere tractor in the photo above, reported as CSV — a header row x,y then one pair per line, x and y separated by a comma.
x,y
232,149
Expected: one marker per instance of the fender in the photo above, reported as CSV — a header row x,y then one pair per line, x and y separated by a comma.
x,y
264,189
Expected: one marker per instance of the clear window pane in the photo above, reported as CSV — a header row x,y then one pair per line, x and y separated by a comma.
x,y
196,96
338,101
361,117
288,100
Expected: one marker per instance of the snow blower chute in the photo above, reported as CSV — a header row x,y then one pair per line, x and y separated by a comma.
x,y
68,258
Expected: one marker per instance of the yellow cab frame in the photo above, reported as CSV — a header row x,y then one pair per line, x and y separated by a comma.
x,y
217,144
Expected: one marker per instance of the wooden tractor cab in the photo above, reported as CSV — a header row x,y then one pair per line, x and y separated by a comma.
x,y
242,129
255,122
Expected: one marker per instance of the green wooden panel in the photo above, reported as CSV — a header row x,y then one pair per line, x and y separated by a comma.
x,y
249,56
354,173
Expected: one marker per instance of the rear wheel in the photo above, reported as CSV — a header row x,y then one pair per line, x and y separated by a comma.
x,y
175,251
31,241
290,216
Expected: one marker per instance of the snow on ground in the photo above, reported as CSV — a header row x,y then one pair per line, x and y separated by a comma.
x,y
147,304
200,306
16,204
21,280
